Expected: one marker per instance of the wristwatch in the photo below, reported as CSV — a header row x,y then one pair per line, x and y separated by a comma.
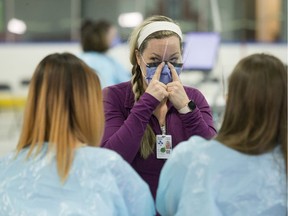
x,y
189,107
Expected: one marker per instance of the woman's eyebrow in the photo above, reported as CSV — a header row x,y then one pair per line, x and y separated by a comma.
x,y
158,56
155,55
175,54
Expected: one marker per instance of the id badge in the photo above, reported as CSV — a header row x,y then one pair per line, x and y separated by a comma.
x,y
163,146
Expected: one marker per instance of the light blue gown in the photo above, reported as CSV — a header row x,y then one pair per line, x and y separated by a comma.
x,y
100,183
109,70
205,178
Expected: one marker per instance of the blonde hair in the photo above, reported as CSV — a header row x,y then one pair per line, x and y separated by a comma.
x,y
148,140
64,108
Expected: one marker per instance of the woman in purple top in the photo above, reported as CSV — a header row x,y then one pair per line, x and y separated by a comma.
x,y
147,117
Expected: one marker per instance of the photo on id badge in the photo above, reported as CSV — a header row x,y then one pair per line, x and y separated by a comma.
x,y
164,146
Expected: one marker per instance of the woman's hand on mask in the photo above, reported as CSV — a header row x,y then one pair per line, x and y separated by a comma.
x,y
156,88
176,93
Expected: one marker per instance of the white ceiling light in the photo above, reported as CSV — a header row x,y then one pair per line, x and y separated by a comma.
x,y
16,26
130,20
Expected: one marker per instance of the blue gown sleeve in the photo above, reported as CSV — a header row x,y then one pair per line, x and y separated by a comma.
x,y
136,193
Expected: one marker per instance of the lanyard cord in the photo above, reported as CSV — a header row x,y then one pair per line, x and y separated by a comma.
x,y
163,129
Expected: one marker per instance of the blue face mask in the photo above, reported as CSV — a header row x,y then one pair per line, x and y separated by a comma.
x,y
166,76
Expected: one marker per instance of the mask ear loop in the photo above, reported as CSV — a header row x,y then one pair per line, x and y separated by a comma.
x,y
144,61
148,80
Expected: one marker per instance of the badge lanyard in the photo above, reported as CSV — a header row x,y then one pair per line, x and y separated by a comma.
x,y
163,144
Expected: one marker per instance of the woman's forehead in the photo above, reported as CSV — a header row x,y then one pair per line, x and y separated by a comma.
x,y
159,46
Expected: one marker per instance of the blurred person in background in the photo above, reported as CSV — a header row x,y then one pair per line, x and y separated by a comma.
x,y
58,168
97,37
149,115
243,170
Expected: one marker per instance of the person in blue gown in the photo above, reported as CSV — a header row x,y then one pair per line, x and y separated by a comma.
x,y
242,171
97,38
58,167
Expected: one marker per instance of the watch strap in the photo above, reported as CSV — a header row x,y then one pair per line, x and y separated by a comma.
x,y
189,107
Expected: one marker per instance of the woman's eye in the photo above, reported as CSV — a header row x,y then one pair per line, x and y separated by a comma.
x,y
155,60
173,60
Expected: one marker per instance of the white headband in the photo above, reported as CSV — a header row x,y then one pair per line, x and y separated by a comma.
x,y
158,26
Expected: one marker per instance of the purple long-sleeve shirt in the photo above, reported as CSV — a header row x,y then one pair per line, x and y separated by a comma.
x,y
126,122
